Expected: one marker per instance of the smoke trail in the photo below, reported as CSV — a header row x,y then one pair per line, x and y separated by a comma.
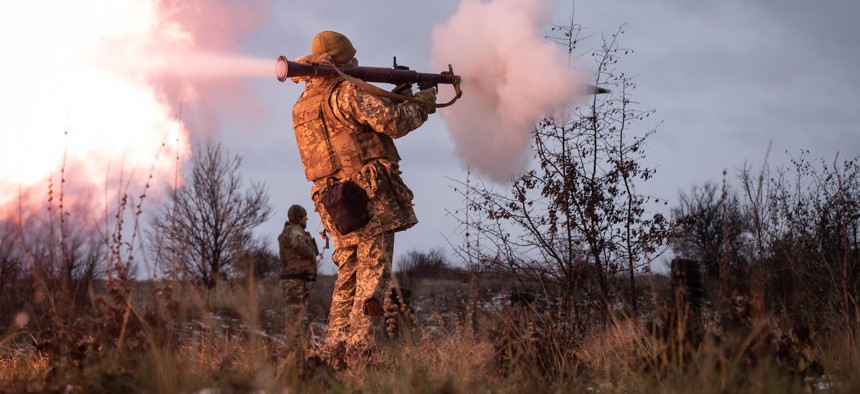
x,y
512,77
95,87
202,67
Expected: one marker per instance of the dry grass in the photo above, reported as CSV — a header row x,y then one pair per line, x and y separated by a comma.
x,y
228,339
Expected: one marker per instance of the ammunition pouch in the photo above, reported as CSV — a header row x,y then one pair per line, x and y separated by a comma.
x,y
372,307
346,204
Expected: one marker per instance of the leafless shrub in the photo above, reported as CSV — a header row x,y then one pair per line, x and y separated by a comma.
x,y
15,287
434,264
809,245
792,240
258,261
706,221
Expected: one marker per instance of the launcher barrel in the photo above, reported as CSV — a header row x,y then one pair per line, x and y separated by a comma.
x,y
288,69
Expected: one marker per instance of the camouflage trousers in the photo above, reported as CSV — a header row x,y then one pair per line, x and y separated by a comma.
x,y
296,301
363,276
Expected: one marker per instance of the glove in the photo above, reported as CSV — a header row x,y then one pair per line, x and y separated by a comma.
x,y
404,89
428,97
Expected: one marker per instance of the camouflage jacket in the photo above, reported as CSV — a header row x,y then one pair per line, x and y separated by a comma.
x,y
298,252
344,133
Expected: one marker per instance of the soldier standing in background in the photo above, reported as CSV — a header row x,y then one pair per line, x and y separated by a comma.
x,y
298,252
345,140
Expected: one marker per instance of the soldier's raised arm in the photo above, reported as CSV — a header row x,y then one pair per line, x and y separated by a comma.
x,y
394,120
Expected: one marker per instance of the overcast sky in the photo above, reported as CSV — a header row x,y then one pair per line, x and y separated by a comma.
x,y
726,78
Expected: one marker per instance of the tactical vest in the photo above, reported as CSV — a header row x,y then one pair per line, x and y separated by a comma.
x,y
328,144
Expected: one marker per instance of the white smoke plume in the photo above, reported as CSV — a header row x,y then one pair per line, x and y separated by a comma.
x,y
512,76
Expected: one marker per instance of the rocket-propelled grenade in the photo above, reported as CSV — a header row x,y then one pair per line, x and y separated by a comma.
x,y
591,89
396,75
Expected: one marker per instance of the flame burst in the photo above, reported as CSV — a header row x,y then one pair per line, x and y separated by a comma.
x,y
92,88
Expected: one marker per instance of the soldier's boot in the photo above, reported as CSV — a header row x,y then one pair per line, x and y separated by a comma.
x,y
361,355
333,354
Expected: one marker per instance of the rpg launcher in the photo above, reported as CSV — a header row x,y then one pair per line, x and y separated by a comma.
x,y
398,75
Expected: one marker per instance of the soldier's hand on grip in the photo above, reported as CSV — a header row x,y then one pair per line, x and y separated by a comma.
x,y
428,96
404,89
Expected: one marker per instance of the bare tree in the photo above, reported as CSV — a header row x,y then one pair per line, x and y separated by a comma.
x,y
208,225
575,223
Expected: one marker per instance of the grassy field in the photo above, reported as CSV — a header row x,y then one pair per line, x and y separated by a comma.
x,y
177,338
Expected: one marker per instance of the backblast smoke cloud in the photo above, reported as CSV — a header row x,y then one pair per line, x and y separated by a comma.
x,y
96,88
512,76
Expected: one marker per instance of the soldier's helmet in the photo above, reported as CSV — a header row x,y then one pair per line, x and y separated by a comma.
x,y
334,44
296,213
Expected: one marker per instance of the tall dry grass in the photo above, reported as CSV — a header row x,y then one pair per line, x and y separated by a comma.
x,y
122,335
218,340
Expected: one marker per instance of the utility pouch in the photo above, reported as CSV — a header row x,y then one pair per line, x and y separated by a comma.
x,y
372,307
346,204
